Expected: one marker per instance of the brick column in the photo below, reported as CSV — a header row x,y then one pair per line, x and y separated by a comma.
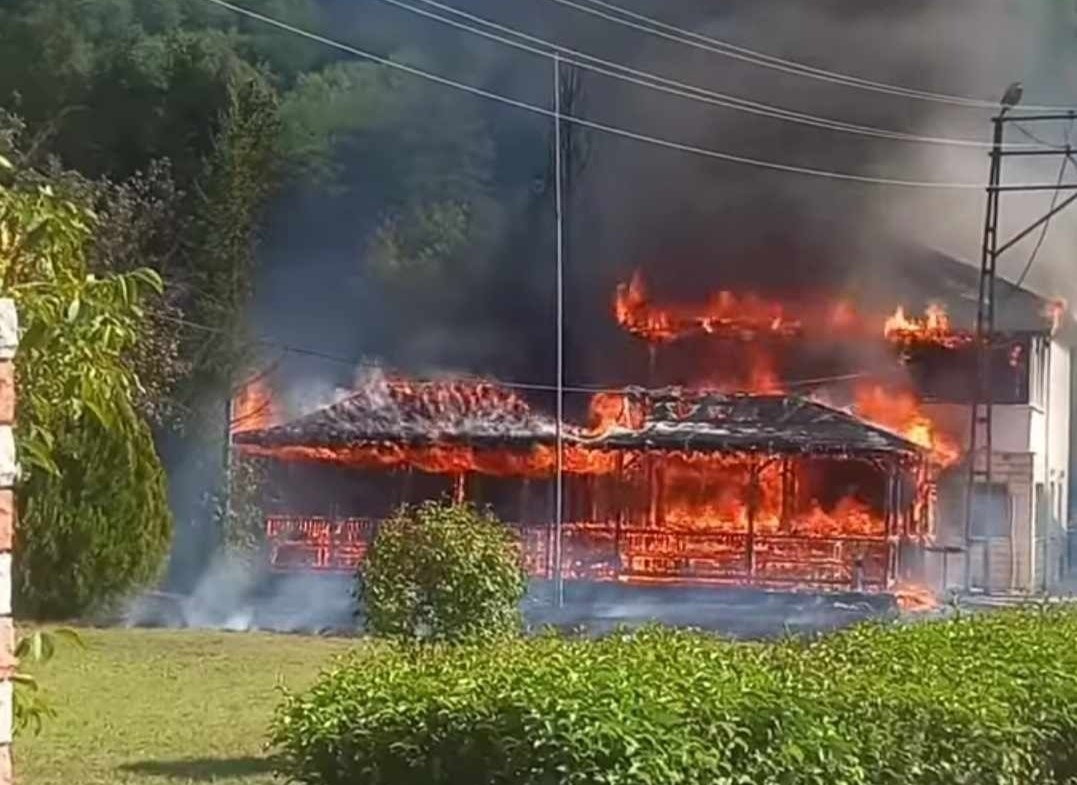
x,y
9,338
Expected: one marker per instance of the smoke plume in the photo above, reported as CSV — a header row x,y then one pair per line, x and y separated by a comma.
x,y
691,223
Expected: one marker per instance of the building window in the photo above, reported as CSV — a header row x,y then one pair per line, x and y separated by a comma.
x,y
990,512
951,375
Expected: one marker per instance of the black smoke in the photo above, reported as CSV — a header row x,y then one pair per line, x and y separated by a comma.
x,y
692,223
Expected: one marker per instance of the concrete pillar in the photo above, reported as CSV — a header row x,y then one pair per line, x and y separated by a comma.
x,y
9,338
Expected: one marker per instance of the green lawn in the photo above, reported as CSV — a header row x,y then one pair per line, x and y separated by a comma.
x,y
156,706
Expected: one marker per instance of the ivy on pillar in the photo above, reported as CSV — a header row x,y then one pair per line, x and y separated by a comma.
x,y
9,338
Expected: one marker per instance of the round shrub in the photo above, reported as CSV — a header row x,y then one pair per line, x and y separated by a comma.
x,y
441,572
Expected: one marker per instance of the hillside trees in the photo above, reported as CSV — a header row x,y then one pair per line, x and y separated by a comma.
x,y
179,124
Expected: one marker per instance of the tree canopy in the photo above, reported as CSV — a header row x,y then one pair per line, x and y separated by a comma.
x,y
157,136
93,518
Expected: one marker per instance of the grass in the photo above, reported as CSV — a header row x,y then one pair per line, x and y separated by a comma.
x,y
150,707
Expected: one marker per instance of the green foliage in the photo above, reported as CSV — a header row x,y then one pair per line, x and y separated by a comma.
x,y
237,180
183,95
440,572
118,83
93,516
137,226
240,515
414,247
988,700
30,708
429,156
96,528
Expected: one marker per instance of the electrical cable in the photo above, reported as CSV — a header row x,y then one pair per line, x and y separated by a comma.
x,y
353,363
1036,138
717,46
664,84
1054,202
603,127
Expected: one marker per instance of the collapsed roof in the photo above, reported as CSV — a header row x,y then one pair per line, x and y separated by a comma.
x,y
481,415
415,414
678,419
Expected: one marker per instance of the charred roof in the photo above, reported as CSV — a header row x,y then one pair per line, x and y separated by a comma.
x,y
679,419
414,413
484,415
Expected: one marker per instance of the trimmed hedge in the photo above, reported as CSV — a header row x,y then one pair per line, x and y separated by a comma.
x,y
985,699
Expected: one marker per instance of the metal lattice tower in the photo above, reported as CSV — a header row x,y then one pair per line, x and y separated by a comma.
x,y
981,442
980,435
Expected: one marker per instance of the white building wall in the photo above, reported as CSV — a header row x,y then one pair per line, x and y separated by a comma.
x,y
1057,413
1011,426
1041,431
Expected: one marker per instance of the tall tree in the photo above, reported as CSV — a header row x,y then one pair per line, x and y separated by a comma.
x,y
94,522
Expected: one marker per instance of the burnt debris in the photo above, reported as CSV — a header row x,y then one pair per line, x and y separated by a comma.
x,y
678,419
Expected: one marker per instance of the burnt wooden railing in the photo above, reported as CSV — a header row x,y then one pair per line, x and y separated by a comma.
x,y
604,551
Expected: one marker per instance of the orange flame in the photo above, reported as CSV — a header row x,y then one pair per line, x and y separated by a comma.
x,y
916,599
608,410
901,413
1056,311
724,314
712,493
933,328
253,408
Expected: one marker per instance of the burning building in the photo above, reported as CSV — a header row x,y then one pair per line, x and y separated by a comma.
x,y
808,442
672,485
1016,537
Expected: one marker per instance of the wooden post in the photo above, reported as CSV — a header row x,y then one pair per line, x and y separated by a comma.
x,y
406,486
891,520
652,494
788,495
525,499
592,494
458,488
753,506
900,531
9,338
660,493
473,488
618,503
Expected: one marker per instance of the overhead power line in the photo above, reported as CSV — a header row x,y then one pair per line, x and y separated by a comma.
x,y
362,362
656,27
664,84
602,127
1066,159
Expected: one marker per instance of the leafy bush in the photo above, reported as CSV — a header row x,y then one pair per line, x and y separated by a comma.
x,y
96,528
440,572
93,519
29,708
985,700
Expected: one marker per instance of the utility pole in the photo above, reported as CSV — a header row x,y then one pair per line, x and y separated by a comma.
x,y
985,331
229,419
558,575
980,433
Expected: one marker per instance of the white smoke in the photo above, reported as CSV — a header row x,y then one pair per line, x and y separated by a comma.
x,y
240,593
